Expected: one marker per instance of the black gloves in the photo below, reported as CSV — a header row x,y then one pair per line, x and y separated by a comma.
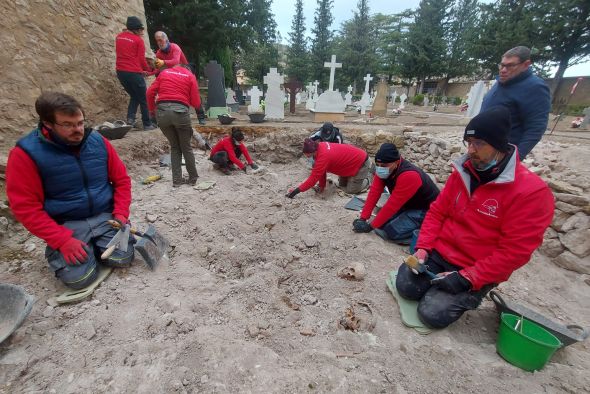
x,y
453,283
361,226
293,193
254,166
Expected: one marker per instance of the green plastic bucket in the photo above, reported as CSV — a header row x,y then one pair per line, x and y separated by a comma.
x,y
527,346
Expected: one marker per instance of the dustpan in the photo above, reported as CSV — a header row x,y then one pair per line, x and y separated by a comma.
x,y
15,306
568,335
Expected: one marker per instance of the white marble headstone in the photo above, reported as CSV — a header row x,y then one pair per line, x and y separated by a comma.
x,y
402,101
348,96
426,101
332,66
476,98
229,96
274,105
298,98
366,98
255,95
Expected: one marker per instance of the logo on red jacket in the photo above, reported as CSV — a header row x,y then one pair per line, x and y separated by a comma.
x,y
489,207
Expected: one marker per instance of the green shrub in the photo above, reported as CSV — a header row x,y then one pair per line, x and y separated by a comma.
x,y
455,100
418,99
570,110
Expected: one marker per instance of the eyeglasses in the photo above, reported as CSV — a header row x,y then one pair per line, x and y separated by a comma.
x,y
508,66
477,144
71,126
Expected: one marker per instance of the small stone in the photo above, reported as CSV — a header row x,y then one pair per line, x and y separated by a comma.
x,y
48,311
204,379
95,302
578,242
567,208
253,331
577,221
570,261
52,302
310,241
185,382
307,332
564,187
70,378
573,199
551,247
309,299
203,251
29,247
263,325
151,217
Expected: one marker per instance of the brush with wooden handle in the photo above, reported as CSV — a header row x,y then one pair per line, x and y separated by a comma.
x,y
415,264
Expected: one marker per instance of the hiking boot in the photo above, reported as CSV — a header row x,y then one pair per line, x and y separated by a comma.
x,y
149,127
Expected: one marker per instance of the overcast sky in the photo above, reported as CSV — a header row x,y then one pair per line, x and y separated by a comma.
x,y
284,10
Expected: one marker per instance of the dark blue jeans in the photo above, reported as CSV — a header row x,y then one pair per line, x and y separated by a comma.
x,y
400,227
134,85
436,307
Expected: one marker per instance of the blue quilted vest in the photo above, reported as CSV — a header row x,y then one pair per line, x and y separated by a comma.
x,y
76,185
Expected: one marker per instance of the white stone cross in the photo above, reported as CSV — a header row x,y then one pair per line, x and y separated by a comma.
x,y
332,66
255,95
368,79
349,88
273,104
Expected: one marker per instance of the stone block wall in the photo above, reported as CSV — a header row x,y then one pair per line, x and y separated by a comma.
x,y
64,45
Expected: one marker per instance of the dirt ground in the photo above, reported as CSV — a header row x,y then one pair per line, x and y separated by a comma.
x,y
249,299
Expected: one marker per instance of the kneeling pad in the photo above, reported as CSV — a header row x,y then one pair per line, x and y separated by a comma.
x,y
72,295
408,309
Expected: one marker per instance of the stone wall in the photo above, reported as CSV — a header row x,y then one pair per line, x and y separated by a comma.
x,y
64,45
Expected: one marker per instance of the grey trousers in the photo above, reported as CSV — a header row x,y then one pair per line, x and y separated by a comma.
x,y
174,121
361,181
96,233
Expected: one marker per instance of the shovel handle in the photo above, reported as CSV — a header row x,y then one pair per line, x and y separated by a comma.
x,y
107,253
117,225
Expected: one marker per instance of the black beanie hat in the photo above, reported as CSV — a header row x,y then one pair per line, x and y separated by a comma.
x,y
387,153
133,23
492,126
237,134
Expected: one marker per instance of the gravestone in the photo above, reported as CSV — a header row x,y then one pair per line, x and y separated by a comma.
x,y
402,101
426,101
215,90
393,96
231,101
298,97
475,98
330,105
348,96
274,107
366,98
255,95
293,88
380,103
444,100
303,97
586,121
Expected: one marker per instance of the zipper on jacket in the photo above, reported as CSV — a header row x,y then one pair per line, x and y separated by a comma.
x,y
90,203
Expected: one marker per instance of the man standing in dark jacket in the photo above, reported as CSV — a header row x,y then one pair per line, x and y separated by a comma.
x,y
412,192
525,95
63,182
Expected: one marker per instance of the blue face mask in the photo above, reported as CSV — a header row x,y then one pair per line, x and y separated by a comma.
x,y
486,166
167,47
382,172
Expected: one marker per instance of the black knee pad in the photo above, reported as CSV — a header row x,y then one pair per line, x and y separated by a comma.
x,y
79,283
406,284
120,259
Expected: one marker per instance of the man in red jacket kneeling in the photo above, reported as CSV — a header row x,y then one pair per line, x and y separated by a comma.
x,y
485,224
64,182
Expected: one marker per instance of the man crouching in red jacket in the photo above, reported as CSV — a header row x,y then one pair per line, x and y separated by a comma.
x,y
64,182
485,224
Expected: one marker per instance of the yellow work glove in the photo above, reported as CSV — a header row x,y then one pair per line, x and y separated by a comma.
x,y
159,63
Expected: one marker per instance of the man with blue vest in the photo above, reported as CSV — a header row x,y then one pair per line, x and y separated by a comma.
x,y
526,96
64,182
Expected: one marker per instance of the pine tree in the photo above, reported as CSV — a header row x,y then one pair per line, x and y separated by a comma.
x,y
297,56
321,41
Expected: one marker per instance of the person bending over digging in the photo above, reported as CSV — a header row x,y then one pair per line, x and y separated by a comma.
x,y
412,192
350,163
328,133
487,221
226,153
63,182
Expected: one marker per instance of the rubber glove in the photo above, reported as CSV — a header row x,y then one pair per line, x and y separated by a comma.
x,y
361,226
253,166
74,252
159,63
422,256
293,192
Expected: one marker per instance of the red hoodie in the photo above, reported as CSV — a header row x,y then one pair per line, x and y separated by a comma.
x,y
174,84
340,159
226,144
493,231
25,193
130,51
173,57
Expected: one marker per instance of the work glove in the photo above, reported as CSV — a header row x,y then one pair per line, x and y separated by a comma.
x,y
422,256
74,252
254,166
451,282
293,192
361,226
159,63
